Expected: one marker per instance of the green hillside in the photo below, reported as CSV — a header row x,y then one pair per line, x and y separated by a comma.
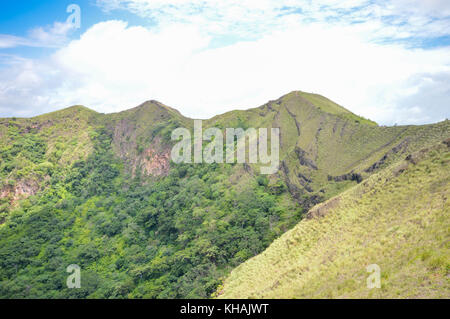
x,y
137,225
323,145
100,191
397,219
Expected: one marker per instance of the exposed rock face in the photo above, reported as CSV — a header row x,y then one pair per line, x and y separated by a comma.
x,y
301,154
399,148
124,138
347,177
154,162
23,189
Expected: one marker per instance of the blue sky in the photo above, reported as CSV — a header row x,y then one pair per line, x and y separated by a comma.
x,y
385,60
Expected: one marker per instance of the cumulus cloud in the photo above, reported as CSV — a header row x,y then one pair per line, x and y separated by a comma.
x,y
332,47
114,66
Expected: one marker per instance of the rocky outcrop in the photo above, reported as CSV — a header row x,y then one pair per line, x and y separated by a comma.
x,y
400,147
153,162
304,161
21,190
347,177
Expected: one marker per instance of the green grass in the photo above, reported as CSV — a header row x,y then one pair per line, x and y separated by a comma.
x,y
329,106
197,221
397,220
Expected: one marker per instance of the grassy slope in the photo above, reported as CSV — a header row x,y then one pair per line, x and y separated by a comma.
x,y
330,107
336,140
398,220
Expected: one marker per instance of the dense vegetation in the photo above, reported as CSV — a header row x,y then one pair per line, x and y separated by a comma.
x,y
167,238
98,190
23,156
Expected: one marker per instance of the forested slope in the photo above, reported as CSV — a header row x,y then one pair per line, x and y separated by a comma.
x,y
100,191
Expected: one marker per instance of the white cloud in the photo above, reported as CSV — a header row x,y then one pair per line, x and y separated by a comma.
x,y
245,18
391,19
53,36
433,8
113,67
10,41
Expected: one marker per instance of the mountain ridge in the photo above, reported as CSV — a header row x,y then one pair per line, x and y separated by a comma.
x,y
388,220
332,108
100,190
333,146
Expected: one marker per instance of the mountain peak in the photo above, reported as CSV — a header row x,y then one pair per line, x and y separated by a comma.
x,y
155,106
325,105
71,111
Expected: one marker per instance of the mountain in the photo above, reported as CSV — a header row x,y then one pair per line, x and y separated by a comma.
x,y
325,148
100,191
396,219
